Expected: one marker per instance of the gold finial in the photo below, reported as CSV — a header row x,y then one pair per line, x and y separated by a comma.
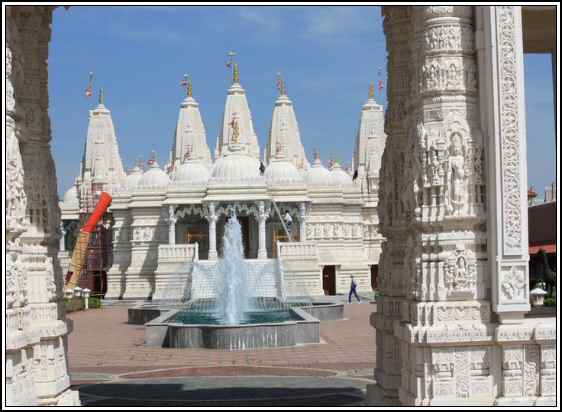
x,y
281,85
186,82
101,97
372,90
316,155
234,65
235,129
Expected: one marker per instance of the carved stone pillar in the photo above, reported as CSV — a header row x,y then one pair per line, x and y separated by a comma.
x,y
262,217
302,221
172,225
503,118
432,211
212,217
398,28
35,325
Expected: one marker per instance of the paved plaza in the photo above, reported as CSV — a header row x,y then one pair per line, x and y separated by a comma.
x,y
110,366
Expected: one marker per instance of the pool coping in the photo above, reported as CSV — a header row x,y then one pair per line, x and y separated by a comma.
x,y
159,333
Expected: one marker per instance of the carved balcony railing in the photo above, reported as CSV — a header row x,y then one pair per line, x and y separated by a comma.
x,y
188,252
296,250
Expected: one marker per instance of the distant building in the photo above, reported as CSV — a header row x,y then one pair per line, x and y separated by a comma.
x,y
164,219
542,235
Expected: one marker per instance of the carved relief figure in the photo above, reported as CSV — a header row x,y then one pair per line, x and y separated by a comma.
x,y
456,198
460,274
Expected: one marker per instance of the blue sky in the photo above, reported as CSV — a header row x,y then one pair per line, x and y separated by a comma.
x,y
328,56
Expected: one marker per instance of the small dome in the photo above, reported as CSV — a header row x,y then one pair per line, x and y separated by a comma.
x,y
340,176
192,172
318,175
71,195
281,171
236,166
153,177
132,179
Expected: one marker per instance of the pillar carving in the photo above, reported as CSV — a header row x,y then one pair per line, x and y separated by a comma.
x,y
172,225
212,218
35,324
262,218
432,210
302,222
501,58
397,26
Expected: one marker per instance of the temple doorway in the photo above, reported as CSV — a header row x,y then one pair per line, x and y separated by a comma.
x,y
329,280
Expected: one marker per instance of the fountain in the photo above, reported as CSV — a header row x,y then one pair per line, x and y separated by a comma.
x,y
235,313
232,276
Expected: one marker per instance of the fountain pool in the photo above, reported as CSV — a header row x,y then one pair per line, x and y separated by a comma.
x,y
233,319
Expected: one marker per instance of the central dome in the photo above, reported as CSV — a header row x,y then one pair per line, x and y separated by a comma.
x,y
236,166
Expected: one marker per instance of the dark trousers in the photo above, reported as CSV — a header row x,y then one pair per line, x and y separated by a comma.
x,y
354,293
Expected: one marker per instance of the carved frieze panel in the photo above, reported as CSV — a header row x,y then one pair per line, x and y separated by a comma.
x,y
448,37
460,274
513,283
448,74
461,372
510,131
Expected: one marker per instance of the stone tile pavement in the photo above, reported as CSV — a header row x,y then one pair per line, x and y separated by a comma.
x,y
103,343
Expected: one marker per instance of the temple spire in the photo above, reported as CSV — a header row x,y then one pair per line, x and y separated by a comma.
x,y
285,129
234,65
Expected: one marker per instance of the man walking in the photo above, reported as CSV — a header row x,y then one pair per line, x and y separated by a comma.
x,y
353,291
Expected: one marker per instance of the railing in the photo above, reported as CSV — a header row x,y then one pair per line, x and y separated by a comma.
x,y
187,252
296,249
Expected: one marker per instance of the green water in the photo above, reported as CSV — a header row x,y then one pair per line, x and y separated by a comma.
x,y
249,318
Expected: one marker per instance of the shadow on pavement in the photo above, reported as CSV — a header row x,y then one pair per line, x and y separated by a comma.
x,y
176,394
